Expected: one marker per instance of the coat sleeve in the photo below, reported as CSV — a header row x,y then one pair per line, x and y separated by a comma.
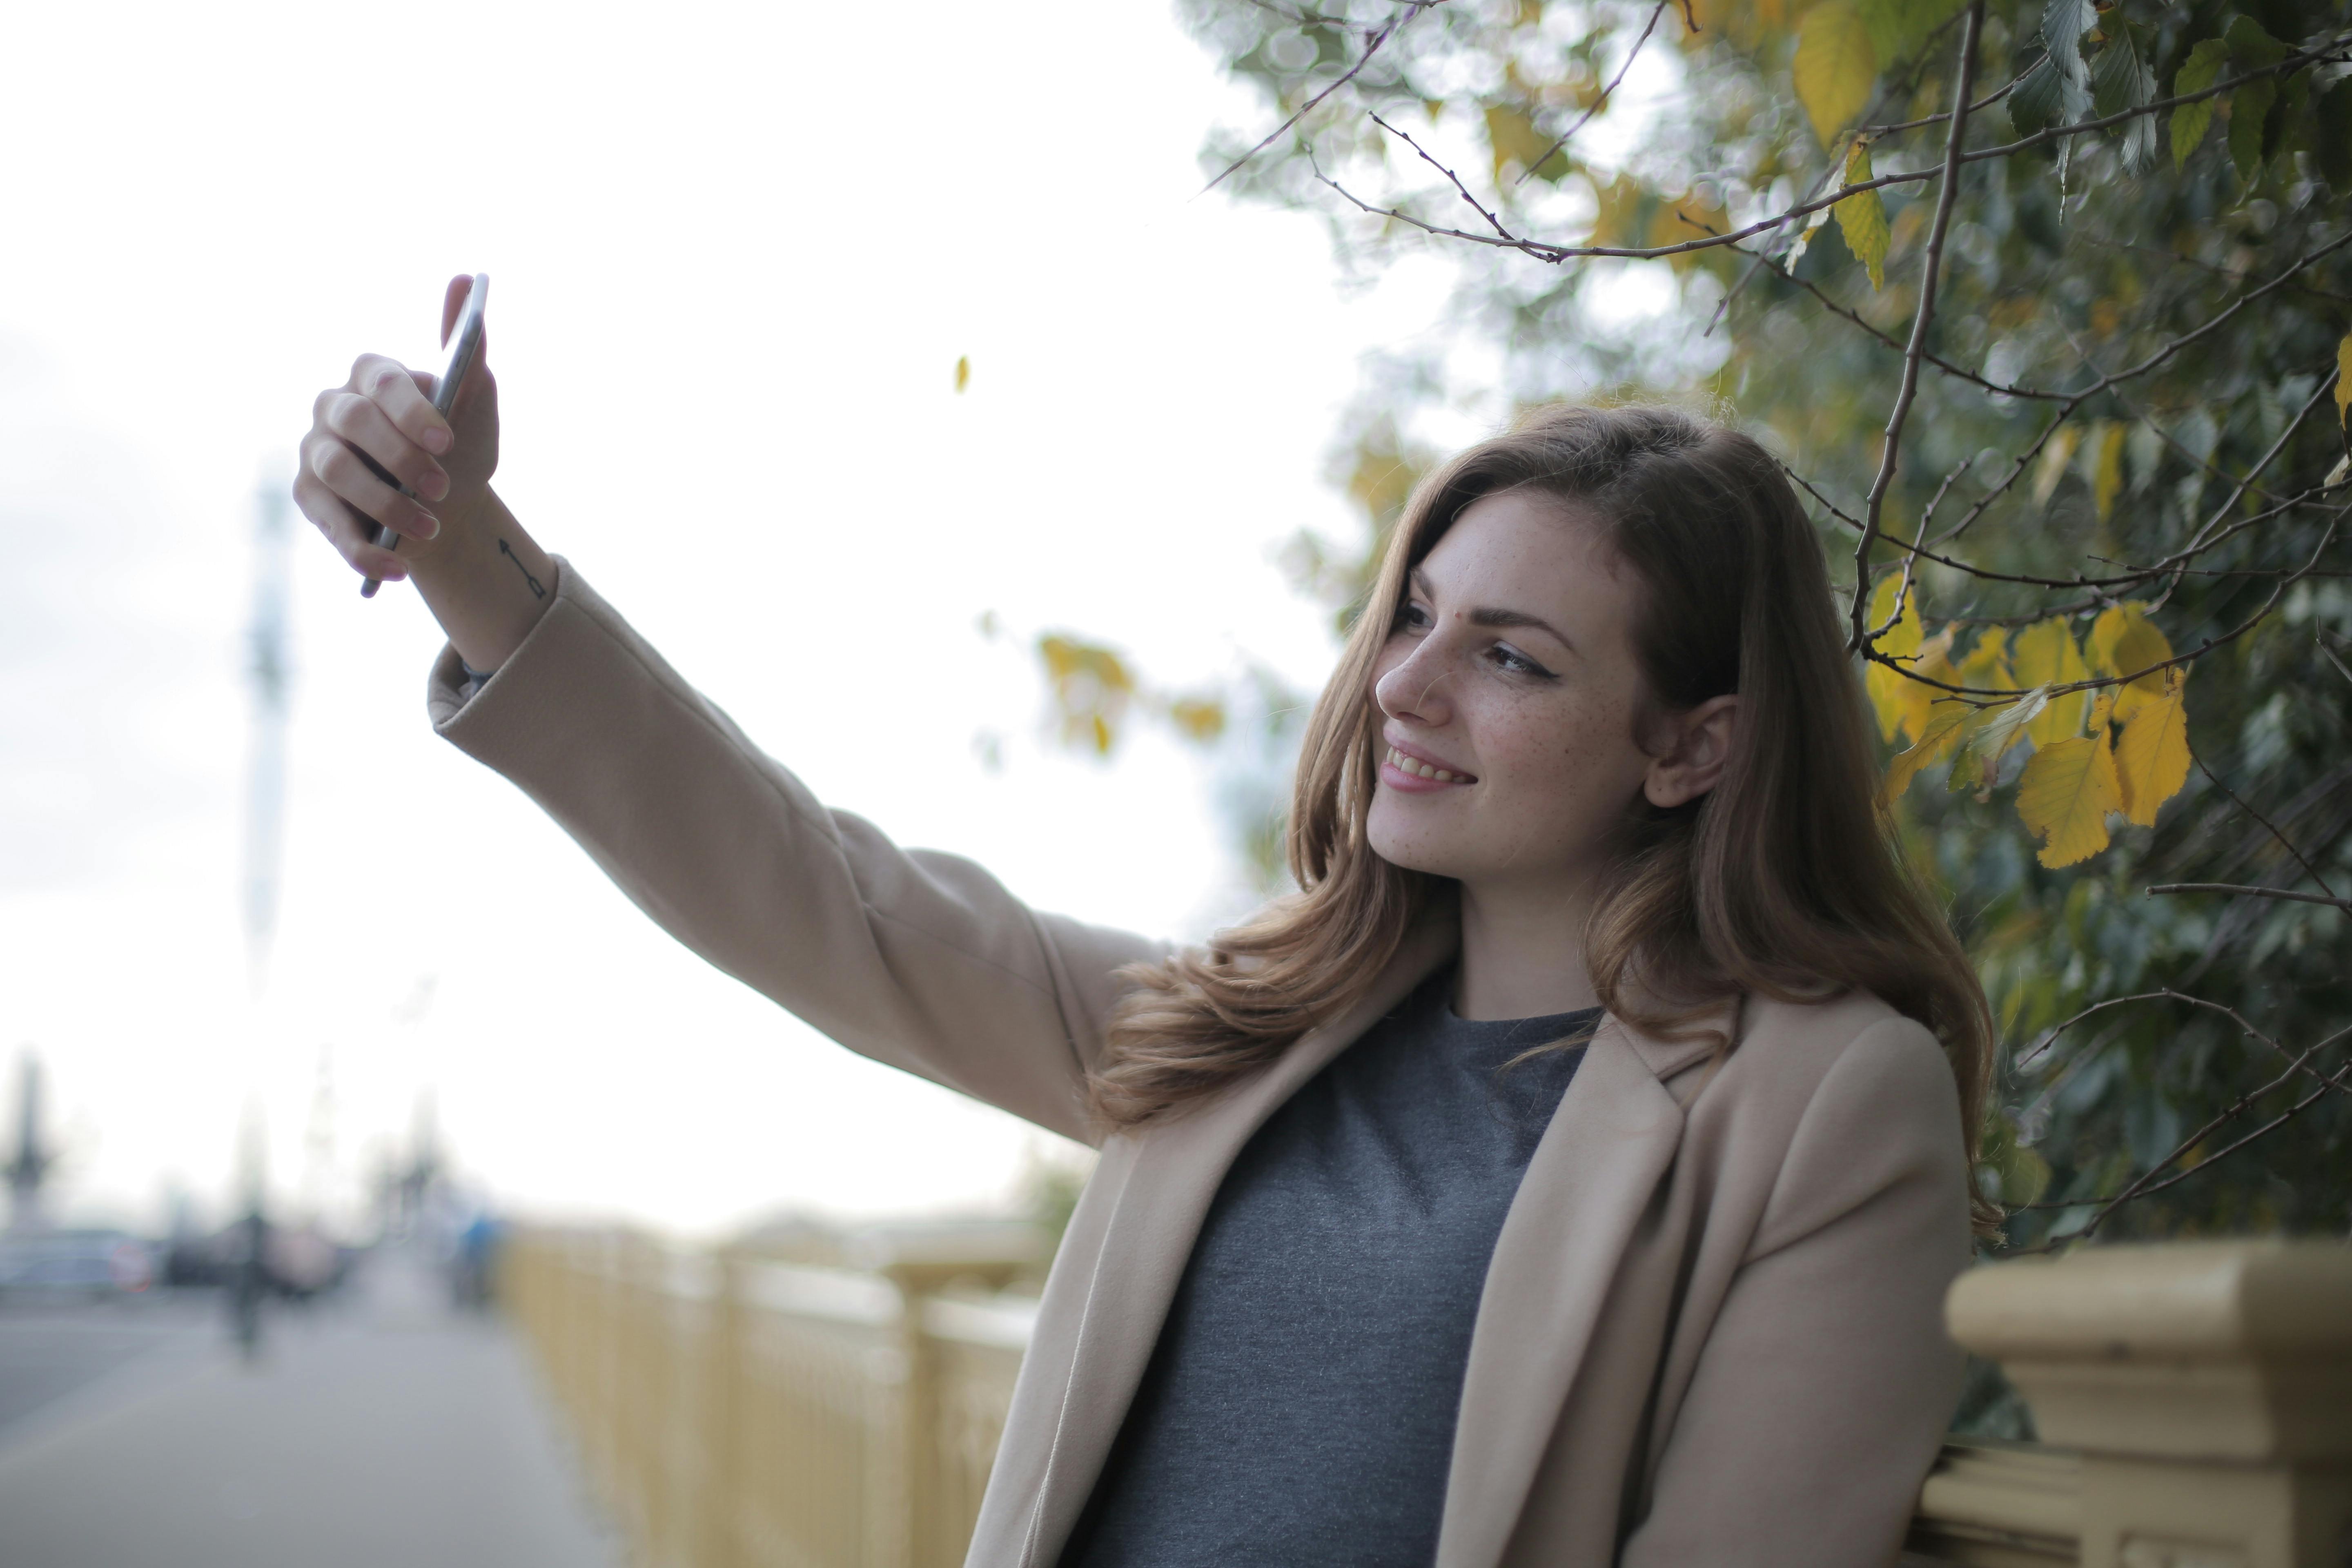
x,y
914,958
1828,1380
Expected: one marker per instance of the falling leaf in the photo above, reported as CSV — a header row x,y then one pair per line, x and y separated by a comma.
x,y
1862,218
1835,67
963,372
2152,754
2192,121
2343,381
2044,655
2064,797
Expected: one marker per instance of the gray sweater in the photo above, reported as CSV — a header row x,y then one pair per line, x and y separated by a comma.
x,y
1299,1407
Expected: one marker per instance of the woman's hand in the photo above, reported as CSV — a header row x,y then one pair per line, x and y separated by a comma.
x,y
378,432
483,577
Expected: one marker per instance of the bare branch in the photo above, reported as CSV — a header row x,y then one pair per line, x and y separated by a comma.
x,y
1413,8
2285,842
1875,506
1601,102
1452,178
2235,888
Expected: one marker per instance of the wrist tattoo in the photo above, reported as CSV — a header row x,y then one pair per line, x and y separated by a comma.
x,y
538,590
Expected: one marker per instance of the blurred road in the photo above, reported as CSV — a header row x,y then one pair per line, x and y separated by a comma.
x,y
381,1431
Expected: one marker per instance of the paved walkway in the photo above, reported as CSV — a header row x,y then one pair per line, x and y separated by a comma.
x,y
382,1432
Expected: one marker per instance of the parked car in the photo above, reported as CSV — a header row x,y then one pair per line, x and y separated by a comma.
x,y
90,1263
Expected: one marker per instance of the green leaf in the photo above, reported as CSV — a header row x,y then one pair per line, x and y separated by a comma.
x,y
2344,381
2120,80
2057,90
2250,46
2250,106
2331,137
2192,121
1898,27
1862,218
1835,67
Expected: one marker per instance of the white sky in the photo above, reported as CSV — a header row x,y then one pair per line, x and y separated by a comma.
x,y
736,254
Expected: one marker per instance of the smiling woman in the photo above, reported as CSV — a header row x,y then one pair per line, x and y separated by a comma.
x,y
1400,1249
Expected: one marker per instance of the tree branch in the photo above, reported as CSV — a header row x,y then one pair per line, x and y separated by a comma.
x,y
1873,508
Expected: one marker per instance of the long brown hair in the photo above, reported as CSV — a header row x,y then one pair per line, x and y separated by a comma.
x,y
1782,880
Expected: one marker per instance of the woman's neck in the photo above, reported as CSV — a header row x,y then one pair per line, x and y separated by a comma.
x,y
1523,951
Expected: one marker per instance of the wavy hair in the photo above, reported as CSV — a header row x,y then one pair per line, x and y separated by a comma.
x,y
1783,880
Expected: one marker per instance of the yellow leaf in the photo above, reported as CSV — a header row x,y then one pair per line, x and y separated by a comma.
x,y
1617,218
1515,140
1987,665
1862,218
2152,754
2344,378
2123,641
1943,733
963,372
2057,453
2103,464
2064,797
1200,719
1890,690
2044,655
1835,67
2001,730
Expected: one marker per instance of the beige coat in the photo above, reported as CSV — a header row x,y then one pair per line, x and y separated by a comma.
x,y
1710,1334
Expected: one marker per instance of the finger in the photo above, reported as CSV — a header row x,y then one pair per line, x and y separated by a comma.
x,y
347,474
369,430
453,300
352,535
404,396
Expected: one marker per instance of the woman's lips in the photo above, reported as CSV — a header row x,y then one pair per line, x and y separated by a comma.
x,y
1402,770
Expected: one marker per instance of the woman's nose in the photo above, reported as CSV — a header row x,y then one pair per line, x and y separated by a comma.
x,y
1414,688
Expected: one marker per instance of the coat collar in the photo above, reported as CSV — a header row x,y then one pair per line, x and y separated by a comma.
x,y
1611,1140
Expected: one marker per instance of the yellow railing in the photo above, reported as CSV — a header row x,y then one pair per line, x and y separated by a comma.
x,y
744,1413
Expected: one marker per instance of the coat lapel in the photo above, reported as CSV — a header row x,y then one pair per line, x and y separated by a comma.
x,y
1593,1174
1163,1197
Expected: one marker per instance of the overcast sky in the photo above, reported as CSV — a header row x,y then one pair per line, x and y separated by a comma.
x,y
737,252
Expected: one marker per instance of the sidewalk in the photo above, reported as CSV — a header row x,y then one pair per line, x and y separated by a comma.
x,y
383,1432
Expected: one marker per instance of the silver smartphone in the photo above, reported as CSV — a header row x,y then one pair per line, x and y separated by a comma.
x,y
464,348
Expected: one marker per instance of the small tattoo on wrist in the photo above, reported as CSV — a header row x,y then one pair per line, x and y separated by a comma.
x,y
537,589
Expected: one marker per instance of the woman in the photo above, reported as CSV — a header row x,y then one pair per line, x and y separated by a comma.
x,y
1570,1174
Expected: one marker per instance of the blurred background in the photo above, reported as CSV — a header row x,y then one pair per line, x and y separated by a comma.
x,y
996,411
847,359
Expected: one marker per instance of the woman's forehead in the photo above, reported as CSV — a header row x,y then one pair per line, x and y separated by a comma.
x,y
1528,541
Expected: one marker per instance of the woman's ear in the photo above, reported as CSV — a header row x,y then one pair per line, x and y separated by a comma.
x,y
1699,743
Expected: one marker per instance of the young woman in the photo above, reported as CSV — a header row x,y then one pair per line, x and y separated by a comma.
x,y
1570,1174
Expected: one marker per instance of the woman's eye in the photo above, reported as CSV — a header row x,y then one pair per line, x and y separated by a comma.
x,y
1516,663
1414,618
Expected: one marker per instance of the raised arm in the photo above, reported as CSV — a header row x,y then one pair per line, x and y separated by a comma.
x,y
920,959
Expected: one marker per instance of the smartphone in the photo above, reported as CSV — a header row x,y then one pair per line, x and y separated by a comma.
x,y
464,348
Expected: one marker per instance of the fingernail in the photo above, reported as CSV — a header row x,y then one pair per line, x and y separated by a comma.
x,y
428,527
435,440
432,487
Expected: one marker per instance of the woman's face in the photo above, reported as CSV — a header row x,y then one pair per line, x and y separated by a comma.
x,y
1510,674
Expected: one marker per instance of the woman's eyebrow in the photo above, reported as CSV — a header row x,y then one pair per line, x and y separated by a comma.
x,y
1496,617
1499,617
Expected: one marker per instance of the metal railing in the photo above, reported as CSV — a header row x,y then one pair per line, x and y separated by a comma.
x,y
743,1413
